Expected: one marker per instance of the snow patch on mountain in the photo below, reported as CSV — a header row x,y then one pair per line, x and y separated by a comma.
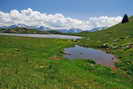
x,y
34,19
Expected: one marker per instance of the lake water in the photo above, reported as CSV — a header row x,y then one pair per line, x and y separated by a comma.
x,y
44,36
77,52
100,57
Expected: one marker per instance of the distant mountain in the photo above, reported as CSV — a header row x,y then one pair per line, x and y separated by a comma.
x,y
16,25
70,30
97,29
43,28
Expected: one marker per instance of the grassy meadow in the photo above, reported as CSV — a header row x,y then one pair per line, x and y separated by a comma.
x,y
38,63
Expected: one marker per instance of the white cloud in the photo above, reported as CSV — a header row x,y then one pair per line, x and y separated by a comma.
x,y
54,21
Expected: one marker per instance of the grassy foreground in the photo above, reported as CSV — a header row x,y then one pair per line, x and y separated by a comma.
x,y
35,63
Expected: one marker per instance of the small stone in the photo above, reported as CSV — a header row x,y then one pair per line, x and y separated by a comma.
x,y
41,67
115,40
104,45
17,49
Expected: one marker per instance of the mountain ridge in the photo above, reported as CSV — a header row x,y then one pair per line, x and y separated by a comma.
x,y
43,28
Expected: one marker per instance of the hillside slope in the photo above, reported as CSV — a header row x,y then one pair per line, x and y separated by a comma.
x,y
20,30
117,40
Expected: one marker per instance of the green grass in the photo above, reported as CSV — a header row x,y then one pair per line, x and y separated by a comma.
x,y
119,41
38,63
25,63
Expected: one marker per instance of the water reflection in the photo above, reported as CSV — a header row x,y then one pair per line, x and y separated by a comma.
x,y
100,57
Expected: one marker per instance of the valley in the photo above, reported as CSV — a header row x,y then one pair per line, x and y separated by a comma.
x,y
38,63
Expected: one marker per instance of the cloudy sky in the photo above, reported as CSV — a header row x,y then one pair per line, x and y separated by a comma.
x,y
80,14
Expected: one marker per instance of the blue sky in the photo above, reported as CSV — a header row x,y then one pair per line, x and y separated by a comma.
x,y
81,9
